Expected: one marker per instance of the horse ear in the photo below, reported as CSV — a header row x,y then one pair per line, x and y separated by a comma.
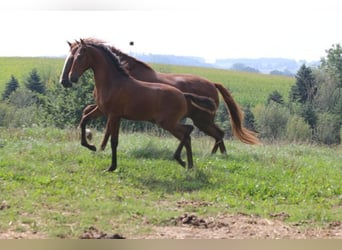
x,y
70,44
83,43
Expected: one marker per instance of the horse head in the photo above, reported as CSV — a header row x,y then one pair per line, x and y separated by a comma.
x,y
64,79
77,61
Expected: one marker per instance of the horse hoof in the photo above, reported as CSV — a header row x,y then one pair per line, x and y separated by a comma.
x,y
90,147
111,168
182,163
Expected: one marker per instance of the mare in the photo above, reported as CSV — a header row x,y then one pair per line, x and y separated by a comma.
x,y
118,95
185,83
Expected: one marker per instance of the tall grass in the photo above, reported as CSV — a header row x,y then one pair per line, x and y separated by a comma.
x,y
51,185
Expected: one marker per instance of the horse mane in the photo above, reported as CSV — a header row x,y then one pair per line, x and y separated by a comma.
x,y
128,60
106,49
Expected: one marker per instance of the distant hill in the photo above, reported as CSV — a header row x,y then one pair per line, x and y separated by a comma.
x,y
172,59
273,66
264,65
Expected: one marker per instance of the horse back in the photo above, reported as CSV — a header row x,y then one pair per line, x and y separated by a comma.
x,y
152,101
191,84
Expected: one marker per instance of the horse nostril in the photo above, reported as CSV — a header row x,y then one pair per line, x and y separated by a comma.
x,y
73,78
66,83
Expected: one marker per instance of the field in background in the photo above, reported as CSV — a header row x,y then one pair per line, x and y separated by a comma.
x,y
247,88
48,68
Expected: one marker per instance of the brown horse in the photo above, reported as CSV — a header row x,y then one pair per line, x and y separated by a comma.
x,y
118,95
185,83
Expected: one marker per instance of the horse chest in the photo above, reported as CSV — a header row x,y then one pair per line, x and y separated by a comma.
x,y
106,100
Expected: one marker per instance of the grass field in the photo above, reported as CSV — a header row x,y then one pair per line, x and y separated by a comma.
x,y
52,187
20,67
247,88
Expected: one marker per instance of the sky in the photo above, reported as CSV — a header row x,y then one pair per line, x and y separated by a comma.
x,y
212,29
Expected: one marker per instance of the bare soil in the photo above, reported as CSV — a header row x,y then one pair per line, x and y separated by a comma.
x,y
240,226
192,226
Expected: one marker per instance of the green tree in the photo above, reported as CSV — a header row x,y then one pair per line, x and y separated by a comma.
x,y
333,63
305,88
308,113
249,120
275,96
11,86
34,83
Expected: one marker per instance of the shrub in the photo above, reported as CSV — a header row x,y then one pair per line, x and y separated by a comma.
x,y
271,120
22,97
12,116
6,114
297,130
328,129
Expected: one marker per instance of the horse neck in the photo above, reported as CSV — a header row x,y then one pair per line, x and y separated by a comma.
x,y
106,74
138,69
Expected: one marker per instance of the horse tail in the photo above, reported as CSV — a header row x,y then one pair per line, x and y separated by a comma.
x,y
203,103
236,117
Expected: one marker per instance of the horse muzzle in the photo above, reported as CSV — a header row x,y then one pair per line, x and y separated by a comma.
x,y
73,78
66,83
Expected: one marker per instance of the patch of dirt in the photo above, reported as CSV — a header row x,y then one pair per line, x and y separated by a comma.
x,y
94,233
185,203
240,226
17,235
4,205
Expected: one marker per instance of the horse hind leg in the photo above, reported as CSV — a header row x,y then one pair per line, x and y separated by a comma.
x,y
211,129
182,132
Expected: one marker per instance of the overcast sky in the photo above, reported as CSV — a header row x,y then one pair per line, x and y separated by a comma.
x,y
210,29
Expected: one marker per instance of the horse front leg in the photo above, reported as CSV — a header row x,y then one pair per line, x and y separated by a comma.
x,y
185,141
105,140
112,128
90,112
187,144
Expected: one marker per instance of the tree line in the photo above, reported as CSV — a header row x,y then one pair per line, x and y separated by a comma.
x,y
311,113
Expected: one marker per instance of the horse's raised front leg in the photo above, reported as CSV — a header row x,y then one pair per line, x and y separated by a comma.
x,y
90,112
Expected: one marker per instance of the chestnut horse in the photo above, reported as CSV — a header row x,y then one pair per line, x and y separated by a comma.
x,y
184,82
118,95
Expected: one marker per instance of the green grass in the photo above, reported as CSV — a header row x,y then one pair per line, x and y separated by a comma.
x,y
247,88
48,68
51,185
